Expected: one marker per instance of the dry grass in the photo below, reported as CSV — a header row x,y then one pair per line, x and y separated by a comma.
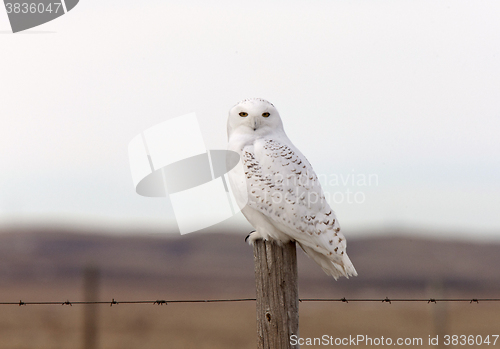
x,y
38,267
231,325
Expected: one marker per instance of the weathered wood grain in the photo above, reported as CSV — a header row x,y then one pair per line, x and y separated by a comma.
x,y
277,294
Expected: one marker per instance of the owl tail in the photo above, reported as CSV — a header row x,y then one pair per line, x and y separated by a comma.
x,y
336,269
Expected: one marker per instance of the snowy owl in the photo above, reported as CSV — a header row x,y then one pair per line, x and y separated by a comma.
x,y
284,199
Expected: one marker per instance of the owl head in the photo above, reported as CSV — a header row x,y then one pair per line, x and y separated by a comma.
x,y
255,117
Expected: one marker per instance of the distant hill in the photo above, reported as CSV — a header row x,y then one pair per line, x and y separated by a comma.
x,y
222,264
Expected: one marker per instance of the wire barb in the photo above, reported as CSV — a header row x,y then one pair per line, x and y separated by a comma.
x,y
160,302
386,300
344,300
113,302
432,300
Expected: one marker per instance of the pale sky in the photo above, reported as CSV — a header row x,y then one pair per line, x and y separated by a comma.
x,y
406,92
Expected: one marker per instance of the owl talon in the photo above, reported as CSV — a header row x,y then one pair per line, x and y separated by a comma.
x,y
252,237
249,235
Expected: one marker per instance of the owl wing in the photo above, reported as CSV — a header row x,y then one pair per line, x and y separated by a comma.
x,y
282,185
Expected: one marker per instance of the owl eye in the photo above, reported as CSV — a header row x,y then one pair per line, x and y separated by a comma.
x,y
266,115
243,114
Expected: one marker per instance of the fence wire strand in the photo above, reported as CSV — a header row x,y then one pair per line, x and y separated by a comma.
x,y
342,300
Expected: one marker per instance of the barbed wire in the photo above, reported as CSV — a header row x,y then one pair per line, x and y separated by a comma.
x,y
342,300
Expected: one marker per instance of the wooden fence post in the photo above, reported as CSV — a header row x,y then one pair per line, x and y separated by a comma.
x,y
277,294
91,294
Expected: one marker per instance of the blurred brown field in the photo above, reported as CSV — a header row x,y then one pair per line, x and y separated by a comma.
x,y
49,266
230,325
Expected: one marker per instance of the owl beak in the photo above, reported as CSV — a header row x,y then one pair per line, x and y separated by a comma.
x,y
254,124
